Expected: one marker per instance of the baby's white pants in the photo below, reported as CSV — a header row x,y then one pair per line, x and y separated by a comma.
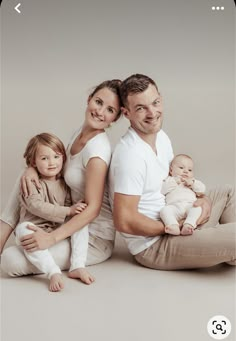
x,y
172,214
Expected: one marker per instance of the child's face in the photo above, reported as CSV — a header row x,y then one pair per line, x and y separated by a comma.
x,y
182,167
48,162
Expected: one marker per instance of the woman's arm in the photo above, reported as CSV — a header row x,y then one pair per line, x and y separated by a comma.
x,y
95,178
5,232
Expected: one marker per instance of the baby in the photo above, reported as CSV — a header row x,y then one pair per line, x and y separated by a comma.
x,y
181,191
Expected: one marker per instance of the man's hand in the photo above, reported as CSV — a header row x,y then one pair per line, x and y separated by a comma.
x,y
205,204
39,240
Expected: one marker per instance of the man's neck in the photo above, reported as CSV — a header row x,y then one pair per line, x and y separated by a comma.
x,y
148,138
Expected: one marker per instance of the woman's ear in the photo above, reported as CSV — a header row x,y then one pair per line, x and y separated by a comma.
x,y
89,98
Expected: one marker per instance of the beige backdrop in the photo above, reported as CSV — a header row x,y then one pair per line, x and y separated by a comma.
x,y
55,51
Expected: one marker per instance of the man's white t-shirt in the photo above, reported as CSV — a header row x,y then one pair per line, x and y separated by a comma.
x,y
137,170
74,175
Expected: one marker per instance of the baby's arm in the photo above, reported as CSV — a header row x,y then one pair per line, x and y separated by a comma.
x,y
169,184
199,188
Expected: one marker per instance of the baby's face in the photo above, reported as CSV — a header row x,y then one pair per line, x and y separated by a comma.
x,y
182,167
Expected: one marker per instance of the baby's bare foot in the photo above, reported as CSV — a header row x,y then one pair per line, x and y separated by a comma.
x,y
187,230
172,229
56,282
82,274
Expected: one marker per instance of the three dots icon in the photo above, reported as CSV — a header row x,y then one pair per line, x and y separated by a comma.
x,y
217,8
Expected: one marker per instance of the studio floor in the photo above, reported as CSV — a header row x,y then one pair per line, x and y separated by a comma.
x,y
126,303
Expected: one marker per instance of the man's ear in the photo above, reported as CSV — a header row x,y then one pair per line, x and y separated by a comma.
x,y
125,111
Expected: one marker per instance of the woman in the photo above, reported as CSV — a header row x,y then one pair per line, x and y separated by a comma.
x,y
88,158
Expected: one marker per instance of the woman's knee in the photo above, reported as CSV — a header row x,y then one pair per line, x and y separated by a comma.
x,y
14,262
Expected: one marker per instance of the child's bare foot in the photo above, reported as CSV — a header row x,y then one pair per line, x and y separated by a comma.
x,y
82,274
56,282
187,229
172,229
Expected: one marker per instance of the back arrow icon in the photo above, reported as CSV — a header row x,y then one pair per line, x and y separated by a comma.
x,y
17,8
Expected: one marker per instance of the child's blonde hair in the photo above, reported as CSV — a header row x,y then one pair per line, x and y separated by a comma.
x,y
46,139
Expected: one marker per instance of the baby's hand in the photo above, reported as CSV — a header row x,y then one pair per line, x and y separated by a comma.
x,y
188,182
178,180
77,208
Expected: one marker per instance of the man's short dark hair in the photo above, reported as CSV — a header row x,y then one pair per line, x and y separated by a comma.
x,y
134,84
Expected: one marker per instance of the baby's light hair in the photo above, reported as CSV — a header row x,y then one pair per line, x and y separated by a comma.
x,y
181,155
45,139
176,157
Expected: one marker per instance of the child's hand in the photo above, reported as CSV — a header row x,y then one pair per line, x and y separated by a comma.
x,y
77,208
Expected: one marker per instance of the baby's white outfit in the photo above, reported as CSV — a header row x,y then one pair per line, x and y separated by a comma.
x,y
179,202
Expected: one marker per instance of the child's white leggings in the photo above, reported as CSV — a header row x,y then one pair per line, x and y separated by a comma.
x,y
42,259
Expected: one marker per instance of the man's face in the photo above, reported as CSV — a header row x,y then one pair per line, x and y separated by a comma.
x,y
145,111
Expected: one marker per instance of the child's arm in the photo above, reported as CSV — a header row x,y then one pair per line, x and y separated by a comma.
x,y
36,205
168,185
77,207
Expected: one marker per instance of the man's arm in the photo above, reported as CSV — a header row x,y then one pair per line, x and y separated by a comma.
x,y
205,204
127,219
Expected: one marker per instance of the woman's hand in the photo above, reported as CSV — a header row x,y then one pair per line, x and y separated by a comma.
x,y
39,240
29,179
205,204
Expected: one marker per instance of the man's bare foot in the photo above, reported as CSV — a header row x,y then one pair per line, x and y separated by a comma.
x,y
172,229
82,274
56,282
187,230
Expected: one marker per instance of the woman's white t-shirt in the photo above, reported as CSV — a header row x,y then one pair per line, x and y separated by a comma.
x,y
74,175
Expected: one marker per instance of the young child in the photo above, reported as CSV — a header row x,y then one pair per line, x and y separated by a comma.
x,y
181,190
48,207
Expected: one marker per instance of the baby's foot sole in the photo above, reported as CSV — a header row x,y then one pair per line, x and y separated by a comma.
x,y
172,229
187,230
82,274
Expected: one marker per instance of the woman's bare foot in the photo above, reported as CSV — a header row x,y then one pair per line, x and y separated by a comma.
x,y
82,274
56,283
187,230
172,229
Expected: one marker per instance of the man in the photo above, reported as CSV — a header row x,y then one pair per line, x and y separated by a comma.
x,y
139,164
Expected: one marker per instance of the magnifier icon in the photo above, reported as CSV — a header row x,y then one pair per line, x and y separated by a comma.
x,y
219,327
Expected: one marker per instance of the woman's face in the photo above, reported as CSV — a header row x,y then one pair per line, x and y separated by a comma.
x,y
103,108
